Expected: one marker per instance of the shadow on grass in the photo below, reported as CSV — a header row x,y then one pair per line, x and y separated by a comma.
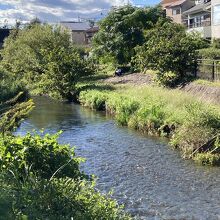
x,y
96,87
95,77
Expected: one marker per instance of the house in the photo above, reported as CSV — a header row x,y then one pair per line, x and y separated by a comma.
x,y
215,19
202,16
4,33
175,9
81,32
199,18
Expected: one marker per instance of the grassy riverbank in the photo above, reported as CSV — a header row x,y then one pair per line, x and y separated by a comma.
x,y
189,123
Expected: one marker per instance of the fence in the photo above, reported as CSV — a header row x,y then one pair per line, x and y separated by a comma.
x,y
208,69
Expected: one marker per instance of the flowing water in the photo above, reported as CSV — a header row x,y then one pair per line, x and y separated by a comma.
x,y
145,174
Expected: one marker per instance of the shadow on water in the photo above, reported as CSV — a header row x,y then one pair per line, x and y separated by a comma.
x,y
150,178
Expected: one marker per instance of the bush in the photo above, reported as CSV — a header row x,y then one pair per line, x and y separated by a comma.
x,y
207,159
94,100
65,199
209,53
38,156
40,179
169,49
35,57
9,87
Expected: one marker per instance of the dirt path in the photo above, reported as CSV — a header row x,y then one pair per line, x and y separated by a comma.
x,y
135,78
203,92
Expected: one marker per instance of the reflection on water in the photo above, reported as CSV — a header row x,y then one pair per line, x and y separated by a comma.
x,y
145,174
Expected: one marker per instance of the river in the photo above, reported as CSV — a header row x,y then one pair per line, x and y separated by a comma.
x,y
145,174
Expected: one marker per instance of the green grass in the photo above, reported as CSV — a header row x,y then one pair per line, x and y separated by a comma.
x,y
207,83
188,123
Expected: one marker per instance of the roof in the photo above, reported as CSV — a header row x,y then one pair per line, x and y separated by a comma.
x,y
76,26
93,29
176,3
168,1
197,8
171,3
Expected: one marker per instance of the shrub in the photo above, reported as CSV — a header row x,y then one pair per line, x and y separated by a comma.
x,y
35,57
207,159
40,179
65,199
209,53
39,156
169,49
9,87
93,99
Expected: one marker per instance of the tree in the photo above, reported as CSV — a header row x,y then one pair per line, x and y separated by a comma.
x,y
123,29
44,58
170,50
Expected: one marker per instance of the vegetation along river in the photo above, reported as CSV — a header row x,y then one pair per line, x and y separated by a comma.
x,y
145,174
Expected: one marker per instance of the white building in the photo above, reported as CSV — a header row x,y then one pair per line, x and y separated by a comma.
x,y
204,17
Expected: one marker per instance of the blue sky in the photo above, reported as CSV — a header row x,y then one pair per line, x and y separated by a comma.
x,y
59,10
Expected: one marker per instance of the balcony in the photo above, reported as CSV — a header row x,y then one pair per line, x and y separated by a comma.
x,y
204,28
199,24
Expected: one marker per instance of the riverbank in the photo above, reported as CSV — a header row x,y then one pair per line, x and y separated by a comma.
x,y
202,89
188,122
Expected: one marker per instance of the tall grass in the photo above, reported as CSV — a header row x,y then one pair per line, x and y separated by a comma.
x,y
188,122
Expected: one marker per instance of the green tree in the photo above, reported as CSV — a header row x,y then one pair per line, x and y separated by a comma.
x,y
44,58
170,50
122,30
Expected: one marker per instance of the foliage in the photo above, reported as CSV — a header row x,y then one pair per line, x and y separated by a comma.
x,y
209,53
40,156
66,199
13,115
35,57
14,104
207,159
122,30
9,87
188,122
168,49
41,180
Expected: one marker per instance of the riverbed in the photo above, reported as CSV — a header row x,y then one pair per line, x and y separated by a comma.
x,y
144,173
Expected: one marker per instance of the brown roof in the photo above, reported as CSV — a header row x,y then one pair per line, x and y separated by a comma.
x,y
172,3
168,1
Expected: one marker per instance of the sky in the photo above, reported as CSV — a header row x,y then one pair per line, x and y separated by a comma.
x,y
53,11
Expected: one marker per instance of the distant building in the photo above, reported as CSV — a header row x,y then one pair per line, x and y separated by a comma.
x,y
4,33
175,8
81,32
215,19
201,16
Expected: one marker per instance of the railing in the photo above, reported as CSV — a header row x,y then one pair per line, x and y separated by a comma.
x,y
200,24
208,69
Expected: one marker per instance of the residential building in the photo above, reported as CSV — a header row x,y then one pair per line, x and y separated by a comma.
x,y
202,16
176,8
81,32
215,19
199,18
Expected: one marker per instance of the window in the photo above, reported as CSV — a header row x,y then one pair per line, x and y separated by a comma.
x,y
176,11
216,15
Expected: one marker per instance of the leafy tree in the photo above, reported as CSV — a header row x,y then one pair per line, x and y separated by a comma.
x,y
170,50
123,29
43,57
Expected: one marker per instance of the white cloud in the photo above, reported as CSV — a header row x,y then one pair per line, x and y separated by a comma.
x,y
54,10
